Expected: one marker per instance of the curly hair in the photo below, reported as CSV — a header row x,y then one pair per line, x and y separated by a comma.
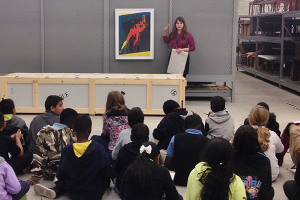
x,y
259,117
246,141
217,154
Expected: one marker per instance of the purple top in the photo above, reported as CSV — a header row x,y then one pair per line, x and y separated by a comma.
x,y
9,183
188,41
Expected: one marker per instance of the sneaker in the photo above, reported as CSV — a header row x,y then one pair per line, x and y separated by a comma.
x,y
44,191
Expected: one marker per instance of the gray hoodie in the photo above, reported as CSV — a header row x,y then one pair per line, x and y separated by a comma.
x,y
220,124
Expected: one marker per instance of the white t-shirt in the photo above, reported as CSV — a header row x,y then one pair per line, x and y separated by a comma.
x,y
275,146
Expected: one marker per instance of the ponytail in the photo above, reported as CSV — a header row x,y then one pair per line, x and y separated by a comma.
x,y
263,138
218,175
142,168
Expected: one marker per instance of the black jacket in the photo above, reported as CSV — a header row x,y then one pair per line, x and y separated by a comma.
x,y
85,177
162,183
255,171
169,126
126,156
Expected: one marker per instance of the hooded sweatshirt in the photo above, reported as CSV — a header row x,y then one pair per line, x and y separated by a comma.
x,y
9,183
169,126
255,172
38,122
126,156
194,186
219,124
86,176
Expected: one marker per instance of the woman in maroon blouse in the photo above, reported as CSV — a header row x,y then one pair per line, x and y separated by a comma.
x,y
180,40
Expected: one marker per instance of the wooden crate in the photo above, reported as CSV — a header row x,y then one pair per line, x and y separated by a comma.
x,y
87,93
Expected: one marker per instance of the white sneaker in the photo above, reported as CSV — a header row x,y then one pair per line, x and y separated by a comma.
x,y
44,191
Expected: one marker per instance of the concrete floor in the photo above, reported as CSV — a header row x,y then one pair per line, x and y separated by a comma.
x,y
249,91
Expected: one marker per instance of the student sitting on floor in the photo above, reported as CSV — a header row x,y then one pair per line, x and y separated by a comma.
x,y
269,142
251,164
11,149
135,116
285,139
50,142
10,187
184,150
147,180
53,106
13,122
219,123
84,170
291,188
170,125
128,153
272,123
114,121
214,179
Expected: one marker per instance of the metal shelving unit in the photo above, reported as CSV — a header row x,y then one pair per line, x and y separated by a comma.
x,y
281,37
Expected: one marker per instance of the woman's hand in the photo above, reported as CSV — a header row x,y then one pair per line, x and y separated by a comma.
x,y
166,28
179,50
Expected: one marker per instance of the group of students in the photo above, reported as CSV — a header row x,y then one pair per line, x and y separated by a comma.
x,y
212,160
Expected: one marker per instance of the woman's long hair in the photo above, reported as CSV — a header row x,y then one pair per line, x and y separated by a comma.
x,y
115,100
245,141
217,154
183,31
142,169
259,117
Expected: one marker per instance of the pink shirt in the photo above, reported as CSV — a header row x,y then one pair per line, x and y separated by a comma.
x,y
187,42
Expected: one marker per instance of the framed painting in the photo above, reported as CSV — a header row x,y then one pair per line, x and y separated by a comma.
x,y
134,34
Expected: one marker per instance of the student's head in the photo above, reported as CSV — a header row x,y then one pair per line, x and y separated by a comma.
x,y
217,103
217,154
82,126
264,105
246,141
115,99
140,133
169,106
135,115
67,117
2,122
258,118
193,122
142,167
54,103
7,106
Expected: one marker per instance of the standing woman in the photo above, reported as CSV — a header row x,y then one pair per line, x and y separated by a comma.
x,y
180,40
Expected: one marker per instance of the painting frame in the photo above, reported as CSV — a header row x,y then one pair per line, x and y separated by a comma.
x,y
134,34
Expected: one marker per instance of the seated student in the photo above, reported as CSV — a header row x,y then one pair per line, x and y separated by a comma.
x,y
269,142
50,142
170,125
219,123
128,153
184,150
10,187
285,139
84,169
13,122
53,106
135,115
272,123
214,178
12,145
114,121
291,188
147,180
251,164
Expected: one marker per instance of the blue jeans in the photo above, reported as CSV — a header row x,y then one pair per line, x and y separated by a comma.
x,y
24,189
